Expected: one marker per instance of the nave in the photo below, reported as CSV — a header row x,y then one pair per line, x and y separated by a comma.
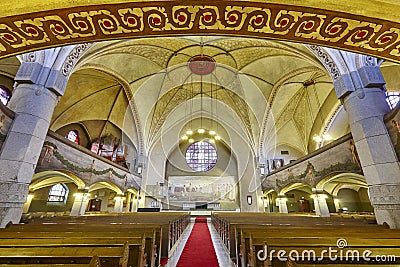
x,y
225,239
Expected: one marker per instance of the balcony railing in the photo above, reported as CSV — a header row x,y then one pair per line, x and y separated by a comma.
x,y
60,154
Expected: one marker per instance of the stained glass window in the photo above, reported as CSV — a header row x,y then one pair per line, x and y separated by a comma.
x,y
4,95
392,98
73,136
201,156
58,193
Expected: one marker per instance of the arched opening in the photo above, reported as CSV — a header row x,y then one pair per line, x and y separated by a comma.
x,y
269,198
392,98
75,132
52,192
5,95
73,136
58,193
349,191
103,197
298,197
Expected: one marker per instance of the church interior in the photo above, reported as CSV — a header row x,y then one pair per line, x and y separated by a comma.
x,y
166,133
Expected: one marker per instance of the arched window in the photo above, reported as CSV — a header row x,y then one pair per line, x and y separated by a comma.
x,y
4,95
58,193
201,156
73,136
393,99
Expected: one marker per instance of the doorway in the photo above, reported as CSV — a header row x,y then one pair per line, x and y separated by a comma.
x,y
303,205
95,204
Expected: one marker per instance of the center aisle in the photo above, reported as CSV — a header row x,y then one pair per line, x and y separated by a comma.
x,y
199,249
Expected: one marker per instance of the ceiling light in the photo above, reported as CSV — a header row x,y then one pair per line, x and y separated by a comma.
x,y
317,138
201,131
327,137
212,132
217,137
189,132
185,137
191,140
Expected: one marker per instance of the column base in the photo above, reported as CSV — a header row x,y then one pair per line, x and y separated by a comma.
x,y
385,199
12,198
10,214
389,216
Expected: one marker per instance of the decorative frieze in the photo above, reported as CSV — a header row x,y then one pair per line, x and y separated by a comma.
x,y
384,194
13,193
84,23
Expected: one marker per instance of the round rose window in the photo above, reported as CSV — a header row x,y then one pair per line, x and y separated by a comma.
x,y
201,156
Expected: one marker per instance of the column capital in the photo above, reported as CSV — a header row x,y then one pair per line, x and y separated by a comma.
x,y
371,77
385,196
317,190
350,71
344,86
50,67
36,73
13,194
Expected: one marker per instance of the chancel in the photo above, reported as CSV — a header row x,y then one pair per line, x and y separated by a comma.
x,y
187,133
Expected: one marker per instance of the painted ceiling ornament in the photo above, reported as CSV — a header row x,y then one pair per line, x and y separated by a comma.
x,y
202,64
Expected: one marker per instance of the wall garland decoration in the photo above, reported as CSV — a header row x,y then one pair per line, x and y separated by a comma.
x,y
74,167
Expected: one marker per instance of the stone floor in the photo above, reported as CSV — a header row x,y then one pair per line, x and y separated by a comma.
x,y
222,255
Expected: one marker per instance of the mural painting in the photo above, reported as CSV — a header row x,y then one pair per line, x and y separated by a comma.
x,y
202,189
341,158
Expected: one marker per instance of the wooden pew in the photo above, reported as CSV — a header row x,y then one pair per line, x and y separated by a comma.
x,y
48,265
143,241
129,249
94,262
114,255
245,235
147,233
172,224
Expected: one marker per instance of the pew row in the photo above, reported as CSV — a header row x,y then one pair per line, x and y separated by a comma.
x,y
248,237
92,241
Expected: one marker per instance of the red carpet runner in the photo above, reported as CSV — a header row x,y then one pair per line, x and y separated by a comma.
x,y
199,249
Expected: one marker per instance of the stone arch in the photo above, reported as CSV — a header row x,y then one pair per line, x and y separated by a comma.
x,y
133,190
331,117
334,65
108,185
341,178
47,178
312,23
292,186
269,190
68,63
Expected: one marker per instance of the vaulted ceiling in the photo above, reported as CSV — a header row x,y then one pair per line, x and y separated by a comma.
x,y
273,93
259,82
